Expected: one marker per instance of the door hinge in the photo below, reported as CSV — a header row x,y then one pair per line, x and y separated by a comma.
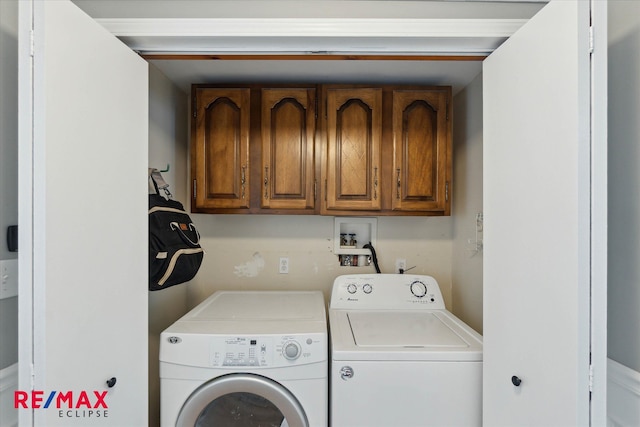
x,y
447,113
591,39
32,43
194,188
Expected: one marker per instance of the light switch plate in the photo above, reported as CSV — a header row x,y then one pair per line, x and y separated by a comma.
x,y
8,278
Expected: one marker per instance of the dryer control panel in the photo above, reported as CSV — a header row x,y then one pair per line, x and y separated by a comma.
x,y
386,291
266,351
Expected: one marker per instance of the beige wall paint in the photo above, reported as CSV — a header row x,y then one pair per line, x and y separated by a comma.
x,y
167,145
242,252
467,202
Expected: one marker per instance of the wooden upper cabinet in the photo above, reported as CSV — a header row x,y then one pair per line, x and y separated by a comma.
x,y
354,135
421,150
220,155
369,150
288,143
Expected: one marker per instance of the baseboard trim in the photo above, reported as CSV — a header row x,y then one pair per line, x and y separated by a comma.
x,y
623,395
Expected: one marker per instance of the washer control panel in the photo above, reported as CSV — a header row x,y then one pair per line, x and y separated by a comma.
x,y
386,291
265,351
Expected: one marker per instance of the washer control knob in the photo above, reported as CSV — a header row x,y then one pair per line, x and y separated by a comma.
x,y
367,288
291,350
352,288
418,289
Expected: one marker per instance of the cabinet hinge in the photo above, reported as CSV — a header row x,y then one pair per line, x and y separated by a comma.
x,y
194,188
325,190
315,190
194,106
590,378
591,40
446,191
447,114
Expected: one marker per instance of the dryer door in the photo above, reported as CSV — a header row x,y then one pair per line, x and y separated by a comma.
x,y
242,400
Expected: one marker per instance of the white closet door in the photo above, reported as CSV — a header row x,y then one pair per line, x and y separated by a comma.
x,y
537,222
83,211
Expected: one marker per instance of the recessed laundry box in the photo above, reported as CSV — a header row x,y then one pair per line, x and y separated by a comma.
x,y
398,357
244,358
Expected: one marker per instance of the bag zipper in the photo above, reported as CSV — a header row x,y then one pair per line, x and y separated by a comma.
x,y
173,261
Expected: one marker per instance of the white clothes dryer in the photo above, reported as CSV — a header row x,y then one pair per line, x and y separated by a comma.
x,y
244,358
398,357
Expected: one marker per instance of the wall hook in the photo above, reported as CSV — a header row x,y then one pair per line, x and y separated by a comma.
x,y
167,169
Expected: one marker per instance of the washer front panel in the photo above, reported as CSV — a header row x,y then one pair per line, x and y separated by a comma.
x,y
406,394
265,351
242,399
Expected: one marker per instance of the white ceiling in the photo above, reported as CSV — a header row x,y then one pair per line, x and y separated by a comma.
x,y
305,27
455,73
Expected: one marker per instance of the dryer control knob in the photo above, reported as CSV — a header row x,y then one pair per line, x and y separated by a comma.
x,y
291,350
351,288
418,289
367,288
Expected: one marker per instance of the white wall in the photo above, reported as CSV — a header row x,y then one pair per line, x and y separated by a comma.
x,y
8,167
168,134
467,203
624,183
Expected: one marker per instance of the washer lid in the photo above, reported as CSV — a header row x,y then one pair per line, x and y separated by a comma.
x,y
419,329
259,305
396,335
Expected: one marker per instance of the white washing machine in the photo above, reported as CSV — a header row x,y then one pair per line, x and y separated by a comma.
x,y
243,358
398,357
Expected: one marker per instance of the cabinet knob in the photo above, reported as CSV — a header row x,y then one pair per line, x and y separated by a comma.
x,y
516,381
111,382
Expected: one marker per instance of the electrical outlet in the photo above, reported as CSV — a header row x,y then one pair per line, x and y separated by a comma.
x,y
284,265
401,264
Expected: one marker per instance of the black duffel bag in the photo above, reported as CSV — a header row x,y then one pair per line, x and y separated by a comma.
x,y
175,254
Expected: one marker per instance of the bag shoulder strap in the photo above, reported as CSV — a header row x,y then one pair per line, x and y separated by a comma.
x,y
159,183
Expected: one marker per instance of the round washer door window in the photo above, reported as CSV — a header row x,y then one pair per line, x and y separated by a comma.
x,y
242,400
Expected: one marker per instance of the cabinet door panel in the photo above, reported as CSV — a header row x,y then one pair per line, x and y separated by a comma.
x,y
421,142
288,129
354,130
221,148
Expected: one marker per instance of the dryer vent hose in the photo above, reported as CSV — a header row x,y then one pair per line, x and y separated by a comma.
x,y
373,256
